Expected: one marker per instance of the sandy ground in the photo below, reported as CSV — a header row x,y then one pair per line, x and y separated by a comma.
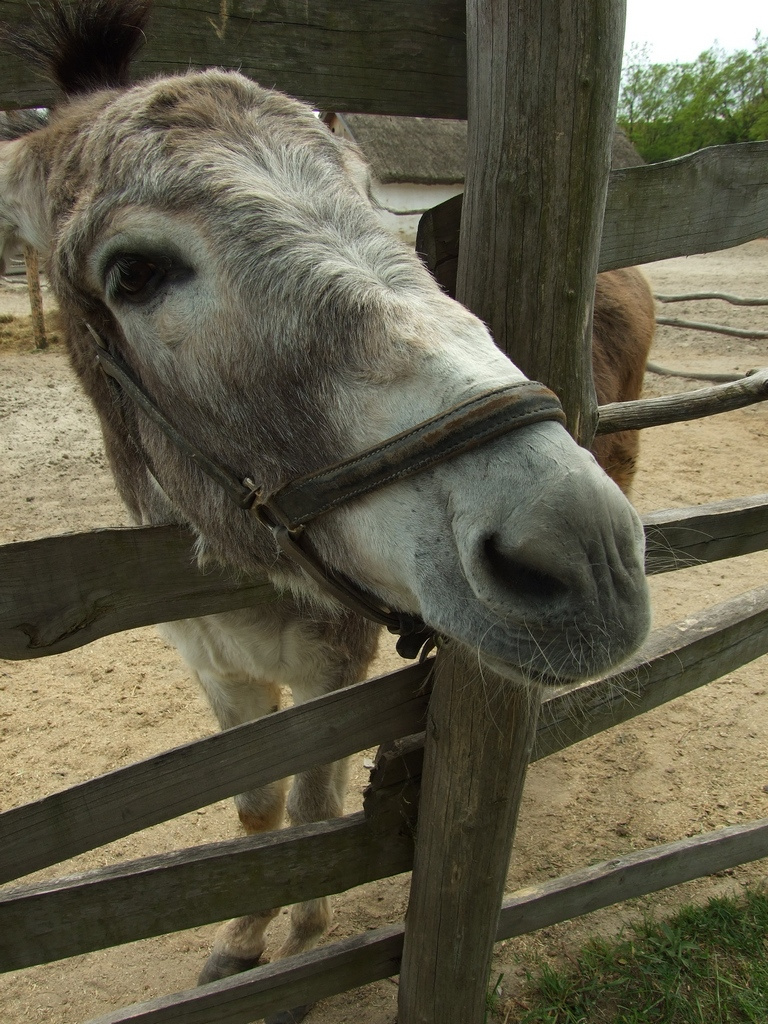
x,y
696,764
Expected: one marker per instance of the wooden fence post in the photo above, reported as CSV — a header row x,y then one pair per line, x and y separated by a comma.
x,y
35,296
542,87
480,730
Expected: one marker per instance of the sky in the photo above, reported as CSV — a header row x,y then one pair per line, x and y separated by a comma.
x,y
679,30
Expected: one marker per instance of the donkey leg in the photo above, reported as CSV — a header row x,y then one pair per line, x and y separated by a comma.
x,y
316,795
234,655
237,693
240,943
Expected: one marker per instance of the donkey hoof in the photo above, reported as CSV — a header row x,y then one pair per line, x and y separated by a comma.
x,y
294,1016
222,965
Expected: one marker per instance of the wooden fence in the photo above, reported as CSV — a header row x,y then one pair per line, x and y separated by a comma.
x,y
694,325
91,585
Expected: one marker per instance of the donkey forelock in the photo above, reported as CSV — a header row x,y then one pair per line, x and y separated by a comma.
x,y
83,47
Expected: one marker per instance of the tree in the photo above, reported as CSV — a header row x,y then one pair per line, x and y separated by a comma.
x,y
671,109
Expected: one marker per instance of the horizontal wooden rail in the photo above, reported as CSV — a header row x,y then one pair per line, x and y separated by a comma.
x,y
675,660
716,378
706,201
364,959
698,325
735,300
631,875
408,58
389,57
688,405
683,537
59,593
713,199
161,787
168,892
302,979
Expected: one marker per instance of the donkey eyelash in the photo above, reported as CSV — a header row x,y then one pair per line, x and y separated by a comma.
x,y
137,277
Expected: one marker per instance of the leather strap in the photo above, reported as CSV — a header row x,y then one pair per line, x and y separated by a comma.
x,y
412,632
457,430
116,369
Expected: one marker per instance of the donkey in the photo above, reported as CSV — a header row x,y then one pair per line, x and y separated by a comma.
x,y
241,321
624,323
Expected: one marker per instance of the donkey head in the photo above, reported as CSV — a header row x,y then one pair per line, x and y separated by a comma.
x,y
223,244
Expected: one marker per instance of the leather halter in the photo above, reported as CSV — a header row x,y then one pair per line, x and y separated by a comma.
x,y
287,510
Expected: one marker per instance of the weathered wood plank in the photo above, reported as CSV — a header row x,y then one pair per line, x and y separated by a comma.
x,y
61,592
706,201
376,955
475,761
539,139
679,538
735,300
633,874
302,979
391,798
128,799
716,378
675,660
135,900
32,264
688,405
389,57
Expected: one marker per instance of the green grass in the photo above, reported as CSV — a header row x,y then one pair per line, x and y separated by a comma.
x,y
707,965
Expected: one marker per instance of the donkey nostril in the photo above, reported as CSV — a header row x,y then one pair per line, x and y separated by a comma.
x,y
521,575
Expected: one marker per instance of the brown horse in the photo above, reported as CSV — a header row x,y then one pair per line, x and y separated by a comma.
x,y
212,245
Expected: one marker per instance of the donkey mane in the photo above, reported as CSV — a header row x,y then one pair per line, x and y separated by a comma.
x,y
85,47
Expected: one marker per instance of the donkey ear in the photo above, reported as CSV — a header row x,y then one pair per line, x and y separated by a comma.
x,y
22,208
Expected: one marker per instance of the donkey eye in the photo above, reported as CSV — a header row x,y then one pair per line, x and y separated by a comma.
x,y
137,278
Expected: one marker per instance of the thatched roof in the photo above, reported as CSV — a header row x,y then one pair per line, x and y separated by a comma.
x,y
430,151
623,153
421,150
